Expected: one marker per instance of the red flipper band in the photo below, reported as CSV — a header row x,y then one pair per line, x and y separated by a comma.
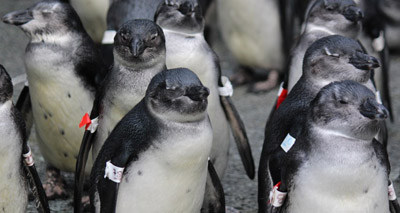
x,y
282,94
91,125
276,197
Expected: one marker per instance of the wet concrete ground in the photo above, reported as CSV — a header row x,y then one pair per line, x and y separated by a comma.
x,y
241,192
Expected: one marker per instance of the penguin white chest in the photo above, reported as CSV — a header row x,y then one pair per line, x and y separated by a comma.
x,y
355,183
169,177
59,100
194,53
13,189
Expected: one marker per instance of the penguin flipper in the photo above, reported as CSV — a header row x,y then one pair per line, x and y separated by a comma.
x,y
394,206
384,56
24,105
264,183
87,142
36,187
214,199
240,135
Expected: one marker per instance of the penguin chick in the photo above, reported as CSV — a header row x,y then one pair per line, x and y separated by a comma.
x,y
62,65
139,54
332,58
324,18
183,26
162,146
17,168
336,165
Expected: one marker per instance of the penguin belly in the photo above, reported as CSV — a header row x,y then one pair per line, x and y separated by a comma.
x,y
184,52
355,184
59,100
93,14
171,175
13,188
251,29
111,115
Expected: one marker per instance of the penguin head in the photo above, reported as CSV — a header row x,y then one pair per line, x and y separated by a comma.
x,y
139,42
180,15
6,87
177,95
46,20
338,58
339,16
348,108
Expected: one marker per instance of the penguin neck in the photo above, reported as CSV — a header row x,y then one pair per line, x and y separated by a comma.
x,y
180,33
59,38
329,135
155,63
5,106
315,84
311,28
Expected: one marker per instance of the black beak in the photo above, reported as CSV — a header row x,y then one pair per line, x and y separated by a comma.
x,y
187,8
353,14
363,61
17,18
137,47
373,110
198,93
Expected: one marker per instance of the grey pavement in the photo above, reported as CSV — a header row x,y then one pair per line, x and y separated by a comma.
x,y
241,193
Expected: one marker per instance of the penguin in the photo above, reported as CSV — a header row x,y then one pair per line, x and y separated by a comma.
x,y
183,26
63,70
374,39
139,54
244,26
324,18
332,58
17,170
93,14
389,9
336,165
158,151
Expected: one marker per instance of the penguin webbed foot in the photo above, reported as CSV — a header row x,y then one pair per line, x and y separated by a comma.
x,y
55,185
265,85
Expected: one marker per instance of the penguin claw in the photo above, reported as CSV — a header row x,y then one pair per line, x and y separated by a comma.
x,y
55,185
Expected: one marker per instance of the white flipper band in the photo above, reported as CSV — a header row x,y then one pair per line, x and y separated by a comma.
x,y
93,126
227,89
276,197
379,43
391,192
114,173
108,37
288,142
28,158
378,97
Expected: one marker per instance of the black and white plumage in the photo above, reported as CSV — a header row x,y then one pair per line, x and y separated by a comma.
x,y
336,165
183,26
323,18
62,65
332,58
139,54
163,144
15,171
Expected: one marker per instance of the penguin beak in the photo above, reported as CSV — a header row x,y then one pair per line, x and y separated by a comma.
x,y
373,110
137,47
186,8
353,14
17,18
197,93
363,61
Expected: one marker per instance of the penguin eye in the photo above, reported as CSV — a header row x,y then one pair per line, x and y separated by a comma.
x,y
343,102
154,36
124,36
46,12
